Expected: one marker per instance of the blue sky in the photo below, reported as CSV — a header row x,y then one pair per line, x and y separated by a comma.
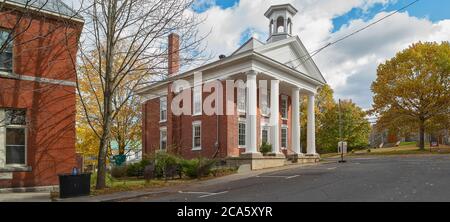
x,y
434,10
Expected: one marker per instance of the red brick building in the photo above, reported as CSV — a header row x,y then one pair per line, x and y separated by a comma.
x,y
37,92
264,109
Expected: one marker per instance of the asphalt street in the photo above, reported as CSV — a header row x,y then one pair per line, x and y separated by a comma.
x,y
391,179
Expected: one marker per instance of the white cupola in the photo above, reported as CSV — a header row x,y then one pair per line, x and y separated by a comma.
x,y
280,17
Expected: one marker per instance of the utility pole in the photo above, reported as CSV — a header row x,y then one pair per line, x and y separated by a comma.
x,y
341,140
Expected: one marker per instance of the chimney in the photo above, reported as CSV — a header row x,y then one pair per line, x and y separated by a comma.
x,y
174,54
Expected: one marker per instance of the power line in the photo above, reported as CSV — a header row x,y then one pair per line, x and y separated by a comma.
x,y
315,52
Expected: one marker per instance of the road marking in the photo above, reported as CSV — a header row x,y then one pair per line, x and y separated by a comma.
x,y
291,177
365,158
332,168
285,177
213,194
203,194
189,192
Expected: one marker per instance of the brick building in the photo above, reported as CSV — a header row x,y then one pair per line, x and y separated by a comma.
x,y
289,73
38,42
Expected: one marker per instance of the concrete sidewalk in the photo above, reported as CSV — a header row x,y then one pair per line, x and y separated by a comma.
x,y
140,193
25,197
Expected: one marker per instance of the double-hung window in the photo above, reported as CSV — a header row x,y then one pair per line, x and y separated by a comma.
x,y
242,99
197,135
163,138
265,106
13,137
163,109
6,51
284,137
284,107
197,100
241,133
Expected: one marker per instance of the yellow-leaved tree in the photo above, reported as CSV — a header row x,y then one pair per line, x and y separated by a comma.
x,y
413,88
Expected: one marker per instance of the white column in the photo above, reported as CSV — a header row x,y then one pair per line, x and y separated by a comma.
x,y
311,139
274,115
251,130
296,121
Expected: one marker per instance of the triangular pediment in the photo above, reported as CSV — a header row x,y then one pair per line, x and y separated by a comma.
x,y
292,53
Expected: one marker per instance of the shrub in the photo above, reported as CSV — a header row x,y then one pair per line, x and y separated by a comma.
x,y
164,161
119,171
134,169
265,148
197,168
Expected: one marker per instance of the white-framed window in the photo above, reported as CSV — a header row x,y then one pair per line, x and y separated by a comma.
x,y
241,133
197,135
284,107
265,132
13,137
242,99
6,51
284,137
163,109
265,106
197,101
163,138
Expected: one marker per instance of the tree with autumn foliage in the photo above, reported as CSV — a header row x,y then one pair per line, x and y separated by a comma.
x,y
126,124
356,128
413,88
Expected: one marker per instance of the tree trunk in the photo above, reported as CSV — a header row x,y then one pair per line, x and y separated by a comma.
x,y
422,135
108,96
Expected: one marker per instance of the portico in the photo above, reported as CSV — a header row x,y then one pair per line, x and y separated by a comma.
x,y
255,88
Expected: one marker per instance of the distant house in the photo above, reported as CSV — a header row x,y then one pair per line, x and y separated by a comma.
x,y
263,110
38,42
132,155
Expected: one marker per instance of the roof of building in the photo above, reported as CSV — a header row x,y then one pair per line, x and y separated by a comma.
x,y
255,49
287,7
51,6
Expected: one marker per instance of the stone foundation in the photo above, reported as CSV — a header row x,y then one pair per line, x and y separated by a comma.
x,y
258,162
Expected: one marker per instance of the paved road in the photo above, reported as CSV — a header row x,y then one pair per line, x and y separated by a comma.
x,y
406,178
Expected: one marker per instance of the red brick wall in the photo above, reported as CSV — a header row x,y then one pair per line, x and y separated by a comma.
x,y
180,131
152,126
51,128
45,49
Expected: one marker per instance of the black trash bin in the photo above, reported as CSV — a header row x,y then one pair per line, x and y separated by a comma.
x,y
74,185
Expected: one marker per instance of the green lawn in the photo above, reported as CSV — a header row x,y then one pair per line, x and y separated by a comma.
x,y
404,149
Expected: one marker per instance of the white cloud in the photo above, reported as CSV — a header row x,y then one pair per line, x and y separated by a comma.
x,y
350,66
